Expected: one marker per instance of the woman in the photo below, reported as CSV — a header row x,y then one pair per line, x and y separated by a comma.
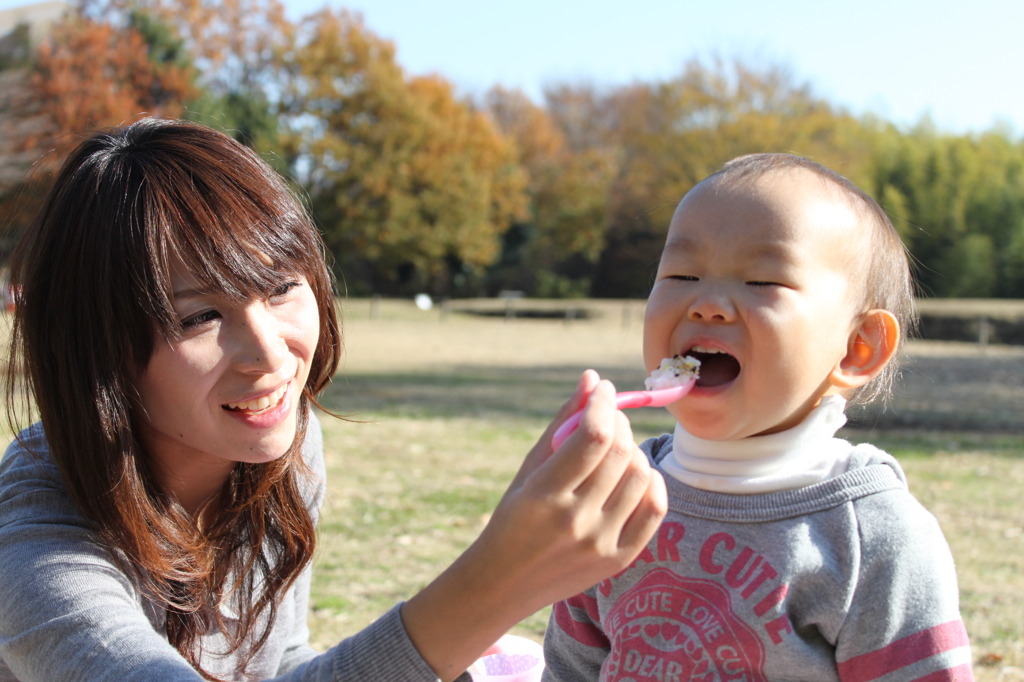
x,y
174,325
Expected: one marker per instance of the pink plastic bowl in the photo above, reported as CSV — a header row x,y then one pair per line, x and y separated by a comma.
x,y
511,659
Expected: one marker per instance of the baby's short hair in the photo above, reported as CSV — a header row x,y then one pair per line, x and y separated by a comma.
x,y
889,284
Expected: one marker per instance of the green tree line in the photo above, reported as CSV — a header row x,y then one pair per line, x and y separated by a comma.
x,y
419,189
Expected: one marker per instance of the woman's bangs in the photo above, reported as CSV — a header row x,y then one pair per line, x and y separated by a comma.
x,y
240,249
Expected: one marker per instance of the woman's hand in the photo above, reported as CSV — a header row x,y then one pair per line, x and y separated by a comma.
x,y
570,519
578,515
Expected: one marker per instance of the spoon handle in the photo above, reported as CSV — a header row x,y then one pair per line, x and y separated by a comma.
x,y
629,399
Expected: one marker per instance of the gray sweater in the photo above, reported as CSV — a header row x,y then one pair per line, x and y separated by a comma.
x,y
846,579
67,612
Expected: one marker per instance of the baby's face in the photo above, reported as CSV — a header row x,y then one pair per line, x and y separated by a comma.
x,y
761,279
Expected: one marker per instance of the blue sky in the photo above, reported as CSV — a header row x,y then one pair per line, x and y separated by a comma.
x,y
959,62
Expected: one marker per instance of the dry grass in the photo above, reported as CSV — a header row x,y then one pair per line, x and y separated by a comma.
x,y
1011,309
451,402
447,404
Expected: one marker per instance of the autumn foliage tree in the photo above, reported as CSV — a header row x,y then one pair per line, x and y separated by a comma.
x,y
86,75
552,252
232,42
663,137
417,189
234,45
90,75
111,62
412,187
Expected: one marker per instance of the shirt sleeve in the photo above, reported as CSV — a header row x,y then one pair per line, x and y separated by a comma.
x,y
904,618
66,611
575,645
382,651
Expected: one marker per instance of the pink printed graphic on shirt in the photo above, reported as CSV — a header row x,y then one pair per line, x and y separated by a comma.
x,y
672,629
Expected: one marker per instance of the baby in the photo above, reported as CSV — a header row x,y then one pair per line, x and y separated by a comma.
x,y
787,553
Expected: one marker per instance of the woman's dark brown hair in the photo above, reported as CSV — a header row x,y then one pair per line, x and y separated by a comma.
x,y
92,277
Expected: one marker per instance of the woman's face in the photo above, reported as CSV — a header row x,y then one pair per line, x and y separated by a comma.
x,y
228,389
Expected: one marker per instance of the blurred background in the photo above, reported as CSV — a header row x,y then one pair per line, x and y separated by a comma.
x,y
465,149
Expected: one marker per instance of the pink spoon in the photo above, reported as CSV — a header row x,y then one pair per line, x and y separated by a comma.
x,y
659,397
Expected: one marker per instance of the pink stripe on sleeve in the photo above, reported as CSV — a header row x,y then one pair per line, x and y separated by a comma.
x,y
905,651
584,632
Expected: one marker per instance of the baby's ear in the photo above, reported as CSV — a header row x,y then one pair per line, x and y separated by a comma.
x,y
872,345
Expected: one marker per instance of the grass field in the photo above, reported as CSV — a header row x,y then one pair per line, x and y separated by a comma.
x,y
445,404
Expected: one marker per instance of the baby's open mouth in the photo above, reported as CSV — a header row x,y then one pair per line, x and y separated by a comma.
x,y
716,367
261,404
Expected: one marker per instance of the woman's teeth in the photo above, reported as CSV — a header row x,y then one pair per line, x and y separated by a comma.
x,y
259,404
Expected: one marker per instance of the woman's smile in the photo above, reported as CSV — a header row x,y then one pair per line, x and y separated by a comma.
x,y
260,404
265,412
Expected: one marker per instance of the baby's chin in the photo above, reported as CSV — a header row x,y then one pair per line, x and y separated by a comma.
x,y
718,430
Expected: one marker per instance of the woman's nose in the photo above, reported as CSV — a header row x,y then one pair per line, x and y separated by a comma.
x,y
260,346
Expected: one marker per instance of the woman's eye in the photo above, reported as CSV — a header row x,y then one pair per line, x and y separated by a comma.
x,y
763,283
285,288
685,278
199,319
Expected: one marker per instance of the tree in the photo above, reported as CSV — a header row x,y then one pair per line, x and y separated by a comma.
x,y
959,203
86,75
233,43
16,47
995,209
89,75
665,137
412,187
557,247
234,46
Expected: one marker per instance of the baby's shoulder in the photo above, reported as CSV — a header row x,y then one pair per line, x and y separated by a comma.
x,y
893,516
657,448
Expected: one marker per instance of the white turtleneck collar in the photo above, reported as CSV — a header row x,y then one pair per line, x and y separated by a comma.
x,y
806,454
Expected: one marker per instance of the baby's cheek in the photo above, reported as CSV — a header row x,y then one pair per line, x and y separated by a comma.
x,y
654,350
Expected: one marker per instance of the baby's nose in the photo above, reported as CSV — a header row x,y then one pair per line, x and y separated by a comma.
x,y
712,308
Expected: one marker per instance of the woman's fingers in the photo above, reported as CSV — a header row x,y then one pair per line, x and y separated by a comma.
x,y
542,449
623,499
589,445
587,509
637,505
584,387
582,514
598,472
613,462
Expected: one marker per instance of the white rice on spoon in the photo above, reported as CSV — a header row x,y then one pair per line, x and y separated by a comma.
x,y
673,371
